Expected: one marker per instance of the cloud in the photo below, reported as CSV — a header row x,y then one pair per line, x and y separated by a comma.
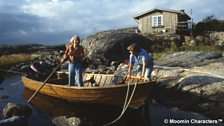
x,y
47,9
84,17
50,21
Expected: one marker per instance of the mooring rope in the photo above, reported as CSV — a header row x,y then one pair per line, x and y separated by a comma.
x,y
10,71
126,97
16,83
14,72
126,104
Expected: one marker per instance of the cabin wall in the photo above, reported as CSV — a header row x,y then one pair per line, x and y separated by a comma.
x,y
170,21
145,25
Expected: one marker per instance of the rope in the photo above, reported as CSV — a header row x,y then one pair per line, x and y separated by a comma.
x,y
16,82
126,104
10,71
126,97
14,72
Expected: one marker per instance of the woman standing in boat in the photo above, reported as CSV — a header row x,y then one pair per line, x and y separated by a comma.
x,y
141,58
74,53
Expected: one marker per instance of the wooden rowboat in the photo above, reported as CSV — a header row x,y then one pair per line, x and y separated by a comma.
x,y
107,92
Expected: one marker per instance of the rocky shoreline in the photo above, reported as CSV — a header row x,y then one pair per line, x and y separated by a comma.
x,y
27,48
191,81
187,84
198,86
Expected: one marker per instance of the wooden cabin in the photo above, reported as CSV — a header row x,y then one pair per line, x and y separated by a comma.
x,y
159,20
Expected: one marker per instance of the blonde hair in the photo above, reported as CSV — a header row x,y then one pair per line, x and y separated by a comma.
x,y
75,37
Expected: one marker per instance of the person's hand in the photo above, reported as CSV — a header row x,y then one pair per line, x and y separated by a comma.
x,y
71,53
128,76
143,78
140,77
146,79
63,60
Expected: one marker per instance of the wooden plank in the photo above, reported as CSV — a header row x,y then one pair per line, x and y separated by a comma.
x,y
105,81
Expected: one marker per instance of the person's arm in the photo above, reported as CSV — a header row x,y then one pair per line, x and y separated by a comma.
x,y
130,66
65,55
144,64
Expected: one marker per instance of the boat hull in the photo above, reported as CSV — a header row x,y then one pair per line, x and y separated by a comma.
x,y
110,95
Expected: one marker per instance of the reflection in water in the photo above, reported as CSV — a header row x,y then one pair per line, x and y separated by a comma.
x,y
98,114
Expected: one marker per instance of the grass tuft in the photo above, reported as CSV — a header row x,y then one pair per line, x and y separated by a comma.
x,y
8,60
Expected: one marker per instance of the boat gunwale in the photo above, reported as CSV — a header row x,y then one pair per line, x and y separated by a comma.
x,y
89,87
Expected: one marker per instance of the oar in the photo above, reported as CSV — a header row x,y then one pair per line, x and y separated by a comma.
x,y
44,82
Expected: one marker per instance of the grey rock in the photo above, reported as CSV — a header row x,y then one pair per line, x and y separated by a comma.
x,y
105,47
12,109
14,121
71,121
203,84
187,59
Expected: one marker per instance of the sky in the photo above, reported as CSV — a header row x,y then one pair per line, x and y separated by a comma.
x,y
53,22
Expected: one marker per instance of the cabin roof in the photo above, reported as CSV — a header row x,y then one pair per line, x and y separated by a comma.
x,y
161,9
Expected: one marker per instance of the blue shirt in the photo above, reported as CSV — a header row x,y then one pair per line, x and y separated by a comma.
x,y
143,55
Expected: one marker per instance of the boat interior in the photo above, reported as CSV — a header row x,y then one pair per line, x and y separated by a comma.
x,y
92,80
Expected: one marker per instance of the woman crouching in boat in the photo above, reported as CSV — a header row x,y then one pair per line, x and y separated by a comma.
x,y
141,58
74,53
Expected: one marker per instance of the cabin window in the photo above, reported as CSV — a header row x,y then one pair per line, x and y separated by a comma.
x,y
157,20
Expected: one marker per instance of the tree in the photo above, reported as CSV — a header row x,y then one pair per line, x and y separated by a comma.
x,y
210,18
209,23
